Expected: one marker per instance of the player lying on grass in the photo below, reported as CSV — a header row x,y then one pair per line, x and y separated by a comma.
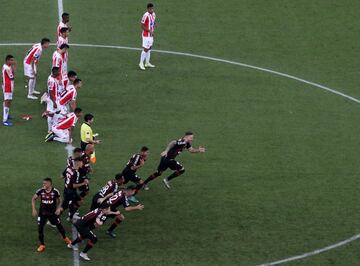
x,y
114,201
50,202
168,156
86,224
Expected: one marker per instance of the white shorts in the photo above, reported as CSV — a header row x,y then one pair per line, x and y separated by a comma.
x,y
62,134
147,42
28,70
8,96
50,106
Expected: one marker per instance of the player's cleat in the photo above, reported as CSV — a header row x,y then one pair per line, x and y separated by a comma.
x,y
166,183
32,97
84,256
149,65
141,65
50,136
43,98
132,199
36,92
146,187
50,224
67,241
7,123
72,247
110,233
75,217
41,248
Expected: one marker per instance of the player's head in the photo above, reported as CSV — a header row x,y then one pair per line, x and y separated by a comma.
x,y
64,32
119,178
78,112
89,149
9,59
72,75
150,8
55,72
65,17
45,42
129,191
89,118
47,183
189,136
63,48
77,83
77,153
77,164
144,152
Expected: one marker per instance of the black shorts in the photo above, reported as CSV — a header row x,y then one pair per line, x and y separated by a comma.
x,y
85,231
130,176
83,145
94,203
69,197
44,217
166,163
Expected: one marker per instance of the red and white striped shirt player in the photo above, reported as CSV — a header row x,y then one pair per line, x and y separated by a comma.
x,y
147,24
58,60
64,23
8,76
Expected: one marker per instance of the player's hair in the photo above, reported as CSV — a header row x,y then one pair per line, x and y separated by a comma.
x,y
54,70
188,133
88,117
65,15
77,110
150,5
144,148
62,30
76,150
76,81
64,45
119,176
44,40
8,57
131,187
72,73
48,179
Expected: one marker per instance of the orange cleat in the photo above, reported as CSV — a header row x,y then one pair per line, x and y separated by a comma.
x,y
67,240
41,248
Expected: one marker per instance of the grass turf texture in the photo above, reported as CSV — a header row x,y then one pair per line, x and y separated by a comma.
x,y
281,173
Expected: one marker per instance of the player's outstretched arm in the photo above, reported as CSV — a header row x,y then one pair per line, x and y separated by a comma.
x,y
34,211
133,208
197,150
58,206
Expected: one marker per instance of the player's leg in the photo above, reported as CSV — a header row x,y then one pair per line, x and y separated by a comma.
x,y
178,170
41,224
147,59
54,219
144,52
163,165
61,135
91,242
6,108
118,220
74,205
94,203
31,88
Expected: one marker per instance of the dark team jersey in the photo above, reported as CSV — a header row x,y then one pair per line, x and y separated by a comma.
x,y
89,219
119,198
48,200
110,187
135,160
71,177
86,168
179,146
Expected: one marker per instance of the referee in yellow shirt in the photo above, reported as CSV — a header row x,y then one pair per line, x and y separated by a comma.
x,y
87,135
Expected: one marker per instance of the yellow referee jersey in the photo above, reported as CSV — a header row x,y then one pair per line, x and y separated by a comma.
x,y
86,133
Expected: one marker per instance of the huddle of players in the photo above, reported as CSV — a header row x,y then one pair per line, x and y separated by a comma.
x,y
108,199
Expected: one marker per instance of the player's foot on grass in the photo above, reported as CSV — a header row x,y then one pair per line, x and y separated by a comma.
x,y
32,97
36,92
50,136
67,241
166,183
73,247
132,199
146,187
41,248
50,224
7,123
142,67
84,256
110,233
149,65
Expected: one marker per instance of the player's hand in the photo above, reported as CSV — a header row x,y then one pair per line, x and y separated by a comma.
x,y
86,181
34,213
163,154
117,213
202,149
58,211
140,207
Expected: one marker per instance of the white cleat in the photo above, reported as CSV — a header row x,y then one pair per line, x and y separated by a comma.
x,y
141,65
32,97
149,65
166,183
146,187
73,247
43,98
36,92
50,224
84,256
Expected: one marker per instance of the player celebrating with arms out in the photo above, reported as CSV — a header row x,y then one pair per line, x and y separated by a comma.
x,y
8,77
168,156
147,24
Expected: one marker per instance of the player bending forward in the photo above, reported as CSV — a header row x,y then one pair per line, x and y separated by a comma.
x,y
168,156
147,24
50,202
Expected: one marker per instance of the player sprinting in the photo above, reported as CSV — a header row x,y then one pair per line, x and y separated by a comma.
x,y
168,156
64,23
8,83
60,61
147,24
85,226
50,202
30,66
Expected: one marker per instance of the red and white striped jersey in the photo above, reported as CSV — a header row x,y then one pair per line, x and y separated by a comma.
x,y
53,87
7,78
61,40
60,26
70,95
148,20
33,54
60,62
67,122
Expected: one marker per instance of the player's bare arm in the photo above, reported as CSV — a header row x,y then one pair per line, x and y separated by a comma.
x,y
134,208
34,211
58,207
86,181
197,150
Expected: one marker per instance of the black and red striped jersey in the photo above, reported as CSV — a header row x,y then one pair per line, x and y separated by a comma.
x,y
48,200
71,177
89,219
119,198
135,160
180,145
110,187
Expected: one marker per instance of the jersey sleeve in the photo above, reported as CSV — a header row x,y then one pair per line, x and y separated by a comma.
x,y
145,19
188,145
57,193
38,192
9,73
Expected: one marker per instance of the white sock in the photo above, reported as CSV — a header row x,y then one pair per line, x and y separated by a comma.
x,y
50,122
31,86
6,113
148,56
143,56
34,86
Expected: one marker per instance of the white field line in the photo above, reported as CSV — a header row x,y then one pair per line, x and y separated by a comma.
x,y
60,8
308,254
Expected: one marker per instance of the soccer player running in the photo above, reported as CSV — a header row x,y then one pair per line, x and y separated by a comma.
x,y
8,76
30,66
147,24
168,156
64,23
50,202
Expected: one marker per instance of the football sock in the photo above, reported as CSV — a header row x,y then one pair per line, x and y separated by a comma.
x,y
89,245
77,240
175,174
31,86
143,56
49,121
114,224
61,230
152,177
148,56
5,113
41,233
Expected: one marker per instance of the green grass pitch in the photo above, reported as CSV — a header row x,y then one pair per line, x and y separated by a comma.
x,y
281,174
